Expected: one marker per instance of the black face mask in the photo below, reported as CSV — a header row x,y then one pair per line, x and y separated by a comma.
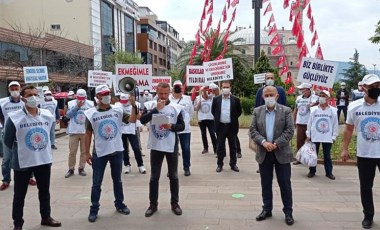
x,y
177,89
374,93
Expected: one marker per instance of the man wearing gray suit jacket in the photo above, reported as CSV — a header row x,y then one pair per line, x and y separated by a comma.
x,y
272,129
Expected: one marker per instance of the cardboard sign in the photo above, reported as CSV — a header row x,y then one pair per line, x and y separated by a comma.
x,y
35,74
98,77
158,79
195,75
318,72
259,78
142,74
219,70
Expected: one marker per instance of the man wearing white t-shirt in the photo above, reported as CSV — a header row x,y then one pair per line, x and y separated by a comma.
x,y
364,116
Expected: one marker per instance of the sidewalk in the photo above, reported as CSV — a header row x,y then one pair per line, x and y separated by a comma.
x,y
210,200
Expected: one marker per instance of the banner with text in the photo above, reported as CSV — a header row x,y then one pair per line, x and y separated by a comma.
x,y
219,70
195,75
35,74
158,79
142,74
318,72
259,78
98,77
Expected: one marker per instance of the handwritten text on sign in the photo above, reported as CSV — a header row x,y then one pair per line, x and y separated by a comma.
x,y
35,74
158,79
317,72
142,74
219,70
96,78
195,75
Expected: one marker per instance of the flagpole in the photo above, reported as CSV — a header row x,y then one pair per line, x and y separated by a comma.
x,y
257,5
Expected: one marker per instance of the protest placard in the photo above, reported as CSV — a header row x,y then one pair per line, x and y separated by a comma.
x,y
98,77
35,74
219,70
142,74
259,78
158,79
195,75
317,72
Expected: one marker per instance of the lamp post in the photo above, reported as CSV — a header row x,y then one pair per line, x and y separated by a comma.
x,y
257,5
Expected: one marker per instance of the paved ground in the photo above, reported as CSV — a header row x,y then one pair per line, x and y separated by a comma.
x,y
206,197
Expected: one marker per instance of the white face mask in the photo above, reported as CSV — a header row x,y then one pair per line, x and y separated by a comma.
x,y
14,93
270,101
342,87
269,82
32,101
322,100
226,91
106,100
48,97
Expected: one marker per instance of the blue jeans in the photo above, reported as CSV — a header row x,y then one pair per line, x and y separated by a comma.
x,y
1,142
98,166
134,140
52,134
184,139
7,162
326,158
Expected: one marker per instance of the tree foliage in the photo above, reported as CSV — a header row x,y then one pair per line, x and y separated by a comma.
x,y
376,38
355,73
122,57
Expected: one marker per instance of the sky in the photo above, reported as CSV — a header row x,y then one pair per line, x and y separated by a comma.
x,y
342,26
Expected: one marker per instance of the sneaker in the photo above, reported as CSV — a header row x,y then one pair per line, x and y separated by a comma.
x,y
142,169
123,210
205,151
32,182
81,172
151,210
176,209
127,169
92,217
69,173
54,147
4,186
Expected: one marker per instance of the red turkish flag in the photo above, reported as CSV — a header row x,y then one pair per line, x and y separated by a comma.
x,y
194,51
305,3
304,51
291,14
219,57
300,39
315,37
233,15
234,3
197,39
271,19
269,8
224,13
229,25
272,30
225,38
284,70
277,50
210,9
286,4
296,27
298,17
228,4
296,4
318,53
206,3
209,23
201,26
311,26
291,90
191,61
217,30
308,13
204,13
280,60
275,40
288,79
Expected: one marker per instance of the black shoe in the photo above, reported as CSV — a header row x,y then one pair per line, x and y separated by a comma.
x,y
17,228
263,215
289,219
219,169
187,172
176,209
367,223
205,151
238,155
296,163
50,222
311,175
69,173
82,172
151,210
258,171
92,217
54,147
235,168
331,177
123,210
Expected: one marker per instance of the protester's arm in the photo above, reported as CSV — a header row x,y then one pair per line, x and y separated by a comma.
x,y
147,116
179,125
347,135
87,141
9,133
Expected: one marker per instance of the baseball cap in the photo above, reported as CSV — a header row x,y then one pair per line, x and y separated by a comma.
x,y
177,82
102,89
326,92
44,88
70,93
81,94
304,86
14,83
124,96
369,79
213,86
343,83
47,92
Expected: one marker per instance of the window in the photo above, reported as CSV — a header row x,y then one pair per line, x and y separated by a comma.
x,y
155,59
155,46
163,50
151,44
129,28
107,32
160,48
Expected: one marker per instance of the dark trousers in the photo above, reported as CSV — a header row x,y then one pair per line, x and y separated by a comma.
x,y
283,174
156,159
224,133
184,139
367,169
344,109
238,148
21,182
326,158
301,135
208,124
133,139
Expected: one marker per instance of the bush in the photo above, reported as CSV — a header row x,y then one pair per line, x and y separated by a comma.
x,y
291,101
246,105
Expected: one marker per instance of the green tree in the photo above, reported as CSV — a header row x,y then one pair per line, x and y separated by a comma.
x,y
376,38
122,57
355,73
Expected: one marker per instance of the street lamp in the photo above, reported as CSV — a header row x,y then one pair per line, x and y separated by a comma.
x,y
257,5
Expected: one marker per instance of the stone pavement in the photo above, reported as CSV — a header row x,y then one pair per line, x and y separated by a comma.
x,y
210,200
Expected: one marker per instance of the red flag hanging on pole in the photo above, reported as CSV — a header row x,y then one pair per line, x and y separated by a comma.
x,y
288,79
291,90
284,70
318,53
291,14
217,30
280,60
275,40
311,26
194,51
209,23
204,13
224,13
228,4
303,51
234,3
286,4
296,4
225,38
201,26
233,15
229,25
271,19
305,3
211,8
277,50
300,39
269,8
197,39
206,3
308,13
272,30
315,37
296,27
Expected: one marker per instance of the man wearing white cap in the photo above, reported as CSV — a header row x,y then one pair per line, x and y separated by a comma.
x,y
76,131
342,100
51,104
322,129
358,93
302,112
104,122
8,105
363,115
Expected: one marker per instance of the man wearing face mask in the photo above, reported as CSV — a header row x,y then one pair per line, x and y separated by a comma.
x,y
358,93
322,129
272,129
50,104
187,113
8,105
269,81
226,110
129,133
363,116
104,122
28,131
76,131
342,100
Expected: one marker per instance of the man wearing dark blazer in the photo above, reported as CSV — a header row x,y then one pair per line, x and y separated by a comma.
x,y
226,109
272,129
